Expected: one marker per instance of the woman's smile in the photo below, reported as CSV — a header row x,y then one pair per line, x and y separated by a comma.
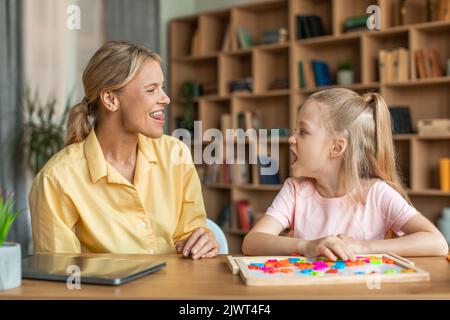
x,y
157,116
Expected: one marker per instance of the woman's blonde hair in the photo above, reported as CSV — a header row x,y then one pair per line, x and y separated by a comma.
x,y
113,66
365,121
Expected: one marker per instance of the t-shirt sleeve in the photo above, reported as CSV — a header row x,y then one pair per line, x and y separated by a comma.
x,y
282,207
395,209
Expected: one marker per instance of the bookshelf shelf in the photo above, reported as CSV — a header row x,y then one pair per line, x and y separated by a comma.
x,y
356,87
275,187
212,62
419,82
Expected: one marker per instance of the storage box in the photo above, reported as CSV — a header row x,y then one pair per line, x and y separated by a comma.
x,y
433,127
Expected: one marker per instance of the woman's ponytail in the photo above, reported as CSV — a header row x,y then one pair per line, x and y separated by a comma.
x,y
78,125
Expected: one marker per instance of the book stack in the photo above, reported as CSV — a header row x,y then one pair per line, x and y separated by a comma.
x,y
313,74
242,84
401,120
279,83
355,24
245,215
309,26
268,162
444,174
273,36
393,65
428,63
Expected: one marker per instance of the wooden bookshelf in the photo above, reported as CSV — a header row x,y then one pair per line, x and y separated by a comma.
x,y
426,98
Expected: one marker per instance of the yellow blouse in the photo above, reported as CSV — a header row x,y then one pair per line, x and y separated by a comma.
x,y
80,203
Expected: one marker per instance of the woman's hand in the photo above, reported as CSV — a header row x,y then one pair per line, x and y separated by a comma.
x,y
200,244
334,247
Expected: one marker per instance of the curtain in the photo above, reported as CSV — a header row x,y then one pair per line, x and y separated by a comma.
x,y
136,21
12,172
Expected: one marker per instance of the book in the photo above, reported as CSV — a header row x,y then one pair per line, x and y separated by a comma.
x,y
268,162
225,219
403,64
301,75
321,73
433,64
245,214
444,174
355,22
382,67
241,174
309,75
244,37
389,66
226,43
225,123
195,43
401,119
444,10
420,64
309,26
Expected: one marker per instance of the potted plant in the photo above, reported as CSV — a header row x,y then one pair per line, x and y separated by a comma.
x,y
345,73
10,253
43,133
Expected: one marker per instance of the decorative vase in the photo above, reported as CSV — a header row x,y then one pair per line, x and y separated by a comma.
x,y
345,77
10,266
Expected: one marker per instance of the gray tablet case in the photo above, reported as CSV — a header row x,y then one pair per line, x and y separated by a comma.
x,y
95,270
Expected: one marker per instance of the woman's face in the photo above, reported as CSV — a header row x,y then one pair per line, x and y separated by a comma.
x,y
142,101
311,142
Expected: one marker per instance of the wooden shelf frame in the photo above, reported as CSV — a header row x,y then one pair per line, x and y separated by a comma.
x,y
427,98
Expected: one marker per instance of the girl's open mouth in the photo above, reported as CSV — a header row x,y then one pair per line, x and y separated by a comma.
x,y
294,158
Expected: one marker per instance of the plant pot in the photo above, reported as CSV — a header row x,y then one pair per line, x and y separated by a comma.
x,y
10,266
344,77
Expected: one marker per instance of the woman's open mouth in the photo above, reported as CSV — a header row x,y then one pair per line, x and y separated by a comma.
x,y
157,116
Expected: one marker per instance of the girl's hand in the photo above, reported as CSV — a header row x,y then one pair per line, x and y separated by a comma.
x,y
200,244
332,247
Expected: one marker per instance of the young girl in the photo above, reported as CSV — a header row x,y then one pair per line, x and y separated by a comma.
x,y
345,195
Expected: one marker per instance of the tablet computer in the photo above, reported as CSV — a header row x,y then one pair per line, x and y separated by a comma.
x,y
95,270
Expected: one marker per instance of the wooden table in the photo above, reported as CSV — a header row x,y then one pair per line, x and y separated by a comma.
x,y
212,279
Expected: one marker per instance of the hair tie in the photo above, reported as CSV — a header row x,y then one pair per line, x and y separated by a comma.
x,y
368,97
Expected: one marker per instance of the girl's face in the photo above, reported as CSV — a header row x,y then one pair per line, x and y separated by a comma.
x,y
311,142
142,101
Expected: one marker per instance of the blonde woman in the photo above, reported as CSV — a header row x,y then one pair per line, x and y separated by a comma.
x,y
345,194
117,187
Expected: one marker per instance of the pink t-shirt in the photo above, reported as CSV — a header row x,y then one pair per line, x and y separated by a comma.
x,y
299,206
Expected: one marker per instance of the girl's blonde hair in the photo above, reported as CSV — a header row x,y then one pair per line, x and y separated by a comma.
x,y
113,66
365,121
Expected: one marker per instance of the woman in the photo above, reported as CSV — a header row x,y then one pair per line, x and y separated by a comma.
x,y
117,187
